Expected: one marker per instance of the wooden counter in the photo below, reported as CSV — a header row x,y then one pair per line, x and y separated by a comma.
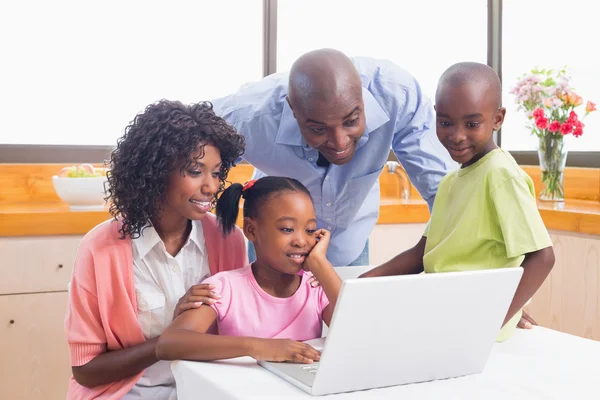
x,y
29,206
38,219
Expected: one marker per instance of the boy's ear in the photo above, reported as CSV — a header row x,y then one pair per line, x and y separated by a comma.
x,y
499,118
250,229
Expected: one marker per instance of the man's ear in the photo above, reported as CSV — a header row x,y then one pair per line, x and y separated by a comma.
x,y
499,118
250,229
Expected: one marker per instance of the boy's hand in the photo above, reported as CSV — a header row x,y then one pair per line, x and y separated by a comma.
x,y
195,297
283,350
318,254
526,322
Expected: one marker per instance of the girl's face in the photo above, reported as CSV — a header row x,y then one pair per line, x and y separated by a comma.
x,y
190,192
284,231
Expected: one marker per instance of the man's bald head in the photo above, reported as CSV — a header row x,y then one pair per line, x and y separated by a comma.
x,y
472,73
325,94
326,75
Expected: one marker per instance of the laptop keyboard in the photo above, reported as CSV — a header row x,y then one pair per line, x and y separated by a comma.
x,y
312,368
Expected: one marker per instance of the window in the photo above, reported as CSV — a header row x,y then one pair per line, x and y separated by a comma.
x,y
76,72
423,37
550,34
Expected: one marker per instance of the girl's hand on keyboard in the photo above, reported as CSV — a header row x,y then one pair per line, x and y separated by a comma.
x,y
284,350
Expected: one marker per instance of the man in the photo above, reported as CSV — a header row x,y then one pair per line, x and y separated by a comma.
x,y
330,123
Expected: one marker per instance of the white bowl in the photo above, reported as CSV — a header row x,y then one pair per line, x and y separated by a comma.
x,y
81,194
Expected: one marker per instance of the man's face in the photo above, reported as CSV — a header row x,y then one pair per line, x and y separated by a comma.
x,y
332,125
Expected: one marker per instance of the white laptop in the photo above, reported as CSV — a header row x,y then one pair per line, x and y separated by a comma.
x,y
405,329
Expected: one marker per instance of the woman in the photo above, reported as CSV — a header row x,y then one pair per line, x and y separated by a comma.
x,y
135,273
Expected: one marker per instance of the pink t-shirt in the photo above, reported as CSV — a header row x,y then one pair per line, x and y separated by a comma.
x,y
246,310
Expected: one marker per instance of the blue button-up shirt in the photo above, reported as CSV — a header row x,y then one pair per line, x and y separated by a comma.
x,y
398,116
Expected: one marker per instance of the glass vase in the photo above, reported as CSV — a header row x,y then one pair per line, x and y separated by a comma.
x,y
552,153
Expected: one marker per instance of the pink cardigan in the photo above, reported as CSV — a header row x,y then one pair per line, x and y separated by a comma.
x,y
102,309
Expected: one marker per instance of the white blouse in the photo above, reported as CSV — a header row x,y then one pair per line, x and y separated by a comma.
x,y
160,281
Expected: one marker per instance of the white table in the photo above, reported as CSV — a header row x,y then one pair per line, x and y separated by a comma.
x,y
533,364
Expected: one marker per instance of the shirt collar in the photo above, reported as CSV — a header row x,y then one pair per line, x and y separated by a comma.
x,y
149,238
289,133
197,236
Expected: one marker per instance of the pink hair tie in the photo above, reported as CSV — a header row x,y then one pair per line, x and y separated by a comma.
x,y
248,185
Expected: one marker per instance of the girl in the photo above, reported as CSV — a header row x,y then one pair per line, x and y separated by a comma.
x,y
267,308
134,274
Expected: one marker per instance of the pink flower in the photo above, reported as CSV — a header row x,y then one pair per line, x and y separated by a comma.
x,y
554,126
572,117
566,128
578,129
589,107
538,113
541,123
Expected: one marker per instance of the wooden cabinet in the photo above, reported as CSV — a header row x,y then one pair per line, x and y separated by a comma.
x,y
37,264
387,241
35,361
35,274
568,301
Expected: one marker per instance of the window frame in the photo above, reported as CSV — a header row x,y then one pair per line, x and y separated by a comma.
x,y
10,153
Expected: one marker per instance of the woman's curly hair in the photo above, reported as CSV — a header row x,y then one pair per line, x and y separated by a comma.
x,y
154,144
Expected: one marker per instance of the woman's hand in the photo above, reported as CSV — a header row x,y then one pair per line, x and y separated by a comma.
x,y
195,297
313,281
283,350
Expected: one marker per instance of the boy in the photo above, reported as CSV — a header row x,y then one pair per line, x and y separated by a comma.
x,y
485,213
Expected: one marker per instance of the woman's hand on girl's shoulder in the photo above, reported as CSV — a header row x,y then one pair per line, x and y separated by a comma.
x,y
281,350
313,281
195,297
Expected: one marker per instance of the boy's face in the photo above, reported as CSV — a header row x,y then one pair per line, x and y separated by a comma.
x,y
467,116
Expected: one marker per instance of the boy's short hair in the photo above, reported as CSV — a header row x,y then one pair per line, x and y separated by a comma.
x,y
471,72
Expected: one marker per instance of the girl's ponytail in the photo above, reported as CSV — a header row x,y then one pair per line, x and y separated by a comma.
x,y
228,207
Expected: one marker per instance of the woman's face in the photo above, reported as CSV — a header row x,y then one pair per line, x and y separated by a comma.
x,y
190,191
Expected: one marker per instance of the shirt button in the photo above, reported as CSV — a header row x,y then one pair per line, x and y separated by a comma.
x,y
328,228
326,178
310,159
328,204
328,219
